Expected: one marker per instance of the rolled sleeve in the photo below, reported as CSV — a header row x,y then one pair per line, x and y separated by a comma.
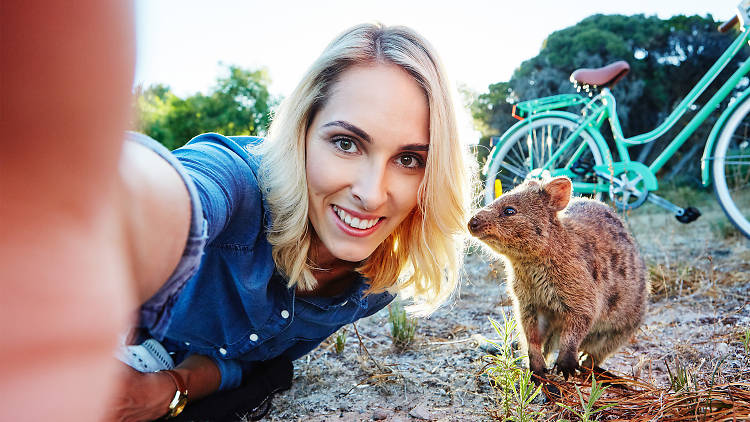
x,y
231,373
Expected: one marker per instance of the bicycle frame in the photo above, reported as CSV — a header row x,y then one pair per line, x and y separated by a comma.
x,y
603,107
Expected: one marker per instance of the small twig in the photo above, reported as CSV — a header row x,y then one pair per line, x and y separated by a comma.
x,y
442,343
367,352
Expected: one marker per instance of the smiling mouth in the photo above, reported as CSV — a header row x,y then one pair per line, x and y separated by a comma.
x,y
355,222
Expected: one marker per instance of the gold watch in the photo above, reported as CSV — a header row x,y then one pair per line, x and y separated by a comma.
x,y
180,396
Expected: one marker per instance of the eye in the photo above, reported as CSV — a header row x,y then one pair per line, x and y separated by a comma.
x,y
410,161
345,144
509,211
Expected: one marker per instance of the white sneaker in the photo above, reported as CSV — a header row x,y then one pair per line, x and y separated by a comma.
x,y
149,356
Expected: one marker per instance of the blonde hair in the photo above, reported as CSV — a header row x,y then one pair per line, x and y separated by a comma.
x,y
423,257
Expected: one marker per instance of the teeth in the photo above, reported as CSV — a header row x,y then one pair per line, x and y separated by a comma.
x,y
354,221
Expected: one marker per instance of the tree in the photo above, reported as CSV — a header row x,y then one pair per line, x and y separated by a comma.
x,y
239,104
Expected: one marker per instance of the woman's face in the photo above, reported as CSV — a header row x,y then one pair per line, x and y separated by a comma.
x,y
366,154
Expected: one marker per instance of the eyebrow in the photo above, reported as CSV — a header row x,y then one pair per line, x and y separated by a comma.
x,y
414,147
351,128
362,134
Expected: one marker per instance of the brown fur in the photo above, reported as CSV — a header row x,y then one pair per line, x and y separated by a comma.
x,y
575,275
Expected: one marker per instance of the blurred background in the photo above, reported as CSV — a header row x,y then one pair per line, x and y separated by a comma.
x,y
224,67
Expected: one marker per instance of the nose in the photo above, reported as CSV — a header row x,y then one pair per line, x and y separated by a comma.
x,y
474,224
371,187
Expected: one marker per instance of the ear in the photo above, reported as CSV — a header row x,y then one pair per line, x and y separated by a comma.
x,y
559,190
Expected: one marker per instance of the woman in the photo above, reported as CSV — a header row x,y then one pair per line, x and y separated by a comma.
x,y
359,192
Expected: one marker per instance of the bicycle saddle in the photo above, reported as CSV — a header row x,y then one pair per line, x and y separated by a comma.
x,y
607,76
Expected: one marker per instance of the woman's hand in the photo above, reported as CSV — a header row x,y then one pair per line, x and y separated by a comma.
x,y
145,396
141,396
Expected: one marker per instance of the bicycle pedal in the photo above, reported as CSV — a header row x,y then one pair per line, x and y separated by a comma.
x,y
689,215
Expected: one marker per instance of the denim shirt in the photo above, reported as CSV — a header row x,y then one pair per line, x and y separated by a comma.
x,y
226,299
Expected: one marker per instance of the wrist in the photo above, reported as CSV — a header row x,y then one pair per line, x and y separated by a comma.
x,y
180,397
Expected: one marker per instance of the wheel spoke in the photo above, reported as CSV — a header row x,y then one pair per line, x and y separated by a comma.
x,y
530,147
513,169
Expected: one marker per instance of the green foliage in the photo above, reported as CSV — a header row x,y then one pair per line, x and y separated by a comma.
x,y
340,341
239,104
403,327
510,381
745,338
667,57
587,406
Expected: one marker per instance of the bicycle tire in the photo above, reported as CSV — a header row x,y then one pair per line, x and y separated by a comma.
x,y
731,168
514,159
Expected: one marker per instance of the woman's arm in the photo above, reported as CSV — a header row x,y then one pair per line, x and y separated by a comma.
x,y
157,214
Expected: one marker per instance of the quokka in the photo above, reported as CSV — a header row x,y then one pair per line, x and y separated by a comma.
x,y
575,276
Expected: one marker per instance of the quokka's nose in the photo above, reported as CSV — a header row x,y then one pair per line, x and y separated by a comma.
x,y
474,224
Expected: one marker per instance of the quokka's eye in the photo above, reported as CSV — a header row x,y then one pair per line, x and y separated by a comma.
x,y
509,211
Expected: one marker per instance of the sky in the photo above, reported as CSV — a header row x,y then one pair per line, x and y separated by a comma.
x,y
182,43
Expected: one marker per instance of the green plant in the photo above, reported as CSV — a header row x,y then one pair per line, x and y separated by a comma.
x,y
510,381
340,341
588,405
682,380
523,395
745,338
403,328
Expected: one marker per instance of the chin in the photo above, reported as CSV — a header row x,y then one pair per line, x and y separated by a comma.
x,y
352,254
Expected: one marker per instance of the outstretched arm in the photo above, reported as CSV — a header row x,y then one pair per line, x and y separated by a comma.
x,y
157,212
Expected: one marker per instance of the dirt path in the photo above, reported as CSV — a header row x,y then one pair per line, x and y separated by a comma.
x,y
702,301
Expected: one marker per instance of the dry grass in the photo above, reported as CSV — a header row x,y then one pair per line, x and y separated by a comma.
x,y
676,279
636,400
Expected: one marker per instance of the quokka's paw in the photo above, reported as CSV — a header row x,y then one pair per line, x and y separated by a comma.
x,y
551,392
566,364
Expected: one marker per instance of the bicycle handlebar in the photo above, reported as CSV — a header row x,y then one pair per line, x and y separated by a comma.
x,y
726,26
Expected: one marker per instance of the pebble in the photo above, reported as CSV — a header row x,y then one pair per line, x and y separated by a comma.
x,y
380,415
420,412
722,349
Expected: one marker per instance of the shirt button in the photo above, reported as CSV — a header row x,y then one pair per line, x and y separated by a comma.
x,y
285,314
253,337
223,351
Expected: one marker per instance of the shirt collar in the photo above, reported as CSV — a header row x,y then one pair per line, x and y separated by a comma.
x,y
355,295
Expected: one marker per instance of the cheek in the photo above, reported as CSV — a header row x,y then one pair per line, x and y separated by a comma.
x,y
322,179
405,192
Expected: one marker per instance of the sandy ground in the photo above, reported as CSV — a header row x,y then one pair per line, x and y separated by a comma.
x,y
701,280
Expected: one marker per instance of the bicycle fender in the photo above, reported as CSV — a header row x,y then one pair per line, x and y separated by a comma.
x,y
595,134
715,131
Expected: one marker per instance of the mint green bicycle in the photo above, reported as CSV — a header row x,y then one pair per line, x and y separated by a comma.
x,y
564,143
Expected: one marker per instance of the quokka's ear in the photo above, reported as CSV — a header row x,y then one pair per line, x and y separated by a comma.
x,y
559,190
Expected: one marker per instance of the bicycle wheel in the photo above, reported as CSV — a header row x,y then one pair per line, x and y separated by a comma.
x,y
731,168
534,144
